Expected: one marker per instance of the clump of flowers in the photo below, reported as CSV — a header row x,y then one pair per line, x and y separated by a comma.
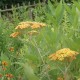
x,y
28,24
63,54
9,76
4,68
4,64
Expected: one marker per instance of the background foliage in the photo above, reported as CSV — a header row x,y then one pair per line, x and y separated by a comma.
x,y
30,56
9,3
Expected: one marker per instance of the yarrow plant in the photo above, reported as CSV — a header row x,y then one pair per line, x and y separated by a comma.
x,y
26,47
24,31
26,25
7,76
64,56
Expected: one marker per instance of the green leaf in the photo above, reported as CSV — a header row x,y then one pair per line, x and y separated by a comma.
x,y
51,7
4,57
29,73
67,8
75,21
59,12
77,4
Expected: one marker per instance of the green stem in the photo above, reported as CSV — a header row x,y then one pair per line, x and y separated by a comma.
x,y
66,74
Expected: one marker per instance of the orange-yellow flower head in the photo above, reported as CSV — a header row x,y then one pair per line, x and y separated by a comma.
x,y
4,63
64,53
9,75
11,49
15,34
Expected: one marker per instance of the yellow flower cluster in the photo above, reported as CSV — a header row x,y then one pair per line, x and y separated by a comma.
x,y
64,53
27,24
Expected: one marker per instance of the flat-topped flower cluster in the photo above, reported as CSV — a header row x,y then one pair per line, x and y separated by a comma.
x,y
26,25
63,54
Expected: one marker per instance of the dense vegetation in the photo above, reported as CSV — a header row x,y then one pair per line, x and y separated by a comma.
x,y
44,48
9,3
